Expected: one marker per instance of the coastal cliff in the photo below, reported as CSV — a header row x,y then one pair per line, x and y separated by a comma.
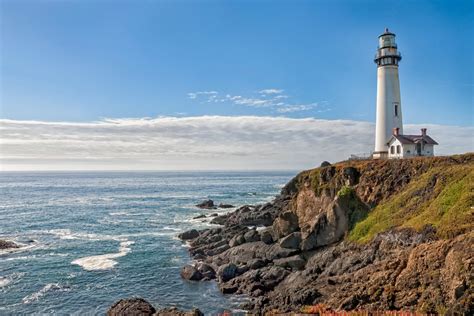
x,y
377,235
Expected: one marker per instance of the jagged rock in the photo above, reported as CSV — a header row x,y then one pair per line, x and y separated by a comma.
x,y
251,236
207,204
218,250
325,219
351,175
227,272
190,234
260,215
291,241
325,164
213,215
326,174
6,244
285,224
266,235
189,272
328,227
219,220
272,276
255,282
223,205
199,216
131,307
256,264
237,240
276,252
294,262
214,241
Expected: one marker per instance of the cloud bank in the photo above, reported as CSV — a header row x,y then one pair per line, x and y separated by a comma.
x,y
198,143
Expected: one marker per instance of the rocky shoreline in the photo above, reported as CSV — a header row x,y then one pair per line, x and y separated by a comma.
x,y
294,252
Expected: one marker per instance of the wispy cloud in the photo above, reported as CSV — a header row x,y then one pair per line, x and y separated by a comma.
x,y
204,142
194,95
297,108
271,91
266,98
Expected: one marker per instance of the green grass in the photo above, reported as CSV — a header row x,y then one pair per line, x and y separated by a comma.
x,y
442,197
358,211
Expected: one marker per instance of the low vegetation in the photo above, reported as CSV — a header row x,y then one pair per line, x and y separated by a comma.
x,y
442,197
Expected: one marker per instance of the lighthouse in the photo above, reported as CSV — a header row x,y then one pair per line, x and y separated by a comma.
x,y
389,107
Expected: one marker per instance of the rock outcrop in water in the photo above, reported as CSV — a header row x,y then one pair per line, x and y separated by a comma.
x,y
6,244
207,204
131,306
140,307
378,235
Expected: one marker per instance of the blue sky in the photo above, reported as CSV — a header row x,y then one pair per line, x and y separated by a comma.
x,y
86,60
187,85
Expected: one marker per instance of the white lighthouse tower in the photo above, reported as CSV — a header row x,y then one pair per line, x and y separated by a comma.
x,y
389,107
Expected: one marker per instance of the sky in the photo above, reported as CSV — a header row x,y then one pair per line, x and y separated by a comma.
x,y
200,85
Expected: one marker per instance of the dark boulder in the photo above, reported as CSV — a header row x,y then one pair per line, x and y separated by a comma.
x,y
189,272
131,307
237,240
291,241
206,270
6,244
325,164
190,234
266,235
251,236
199,216
294,263
219,220
207,204
227,272
351,175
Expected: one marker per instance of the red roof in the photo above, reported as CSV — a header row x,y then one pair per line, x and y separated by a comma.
x,y
414,139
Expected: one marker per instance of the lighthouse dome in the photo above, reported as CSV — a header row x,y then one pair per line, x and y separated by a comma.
x,y
387,39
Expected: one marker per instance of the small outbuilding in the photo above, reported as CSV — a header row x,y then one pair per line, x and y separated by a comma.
x,y
404,146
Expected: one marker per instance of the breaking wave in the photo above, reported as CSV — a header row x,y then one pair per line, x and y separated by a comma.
x,y
47,288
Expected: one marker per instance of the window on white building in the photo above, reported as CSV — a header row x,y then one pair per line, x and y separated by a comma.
x,y
398,149
392,149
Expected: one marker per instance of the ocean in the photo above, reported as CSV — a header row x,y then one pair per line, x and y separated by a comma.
x,y
92,238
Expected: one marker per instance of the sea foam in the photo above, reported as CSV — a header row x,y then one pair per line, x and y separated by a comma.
x,y
4,281
105,261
